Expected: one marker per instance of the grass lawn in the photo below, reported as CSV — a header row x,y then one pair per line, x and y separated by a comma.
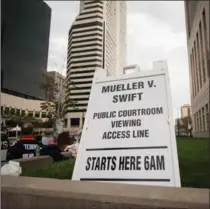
x,y
59,170
194,164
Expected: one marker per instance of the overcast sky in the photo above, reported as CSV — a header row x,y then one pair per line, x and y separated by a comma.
x,y
155,31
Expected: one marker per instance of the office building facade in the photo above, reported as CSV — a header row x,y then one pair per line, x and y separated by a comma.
x,y
13,106
25,29
97,39
185,111
197,27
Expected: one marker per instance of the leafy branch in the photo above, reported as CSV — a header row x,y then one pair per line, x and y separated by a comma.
x,y
56,97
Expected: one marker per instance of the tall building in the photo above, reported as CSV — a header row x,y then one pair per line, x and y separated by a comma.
x,y
97,38
185,111
197,26
25,29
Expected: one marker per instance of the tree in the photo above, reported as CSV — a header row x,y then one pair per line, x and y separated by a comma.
x,y
55,104
48,124
13,121
49,86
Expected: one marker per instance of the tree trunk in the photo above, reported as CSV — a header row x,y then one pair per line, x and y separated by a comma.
x,y
59,126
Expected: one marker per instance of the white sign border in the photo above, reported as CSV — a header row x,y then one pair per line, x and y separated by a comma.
x,y
159,69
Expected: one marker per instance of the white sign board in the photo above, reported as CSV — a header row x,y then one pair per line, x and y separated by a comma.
x,y
128,135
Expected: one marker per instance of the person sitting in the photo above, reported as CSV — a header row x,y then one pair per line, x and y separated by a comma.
x,y
49,148
26,146
53,151
73,148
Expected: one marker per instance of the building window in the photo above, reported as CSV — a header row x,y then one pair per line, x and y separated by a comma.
x,y
93,7
90,17
196,68
23,113
30,114
17,112
207,117
200,124
203,119
12,111
204,27
205,35
202,53
195,124
37,114
44,115
192,73
75,122
85,25
198,61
